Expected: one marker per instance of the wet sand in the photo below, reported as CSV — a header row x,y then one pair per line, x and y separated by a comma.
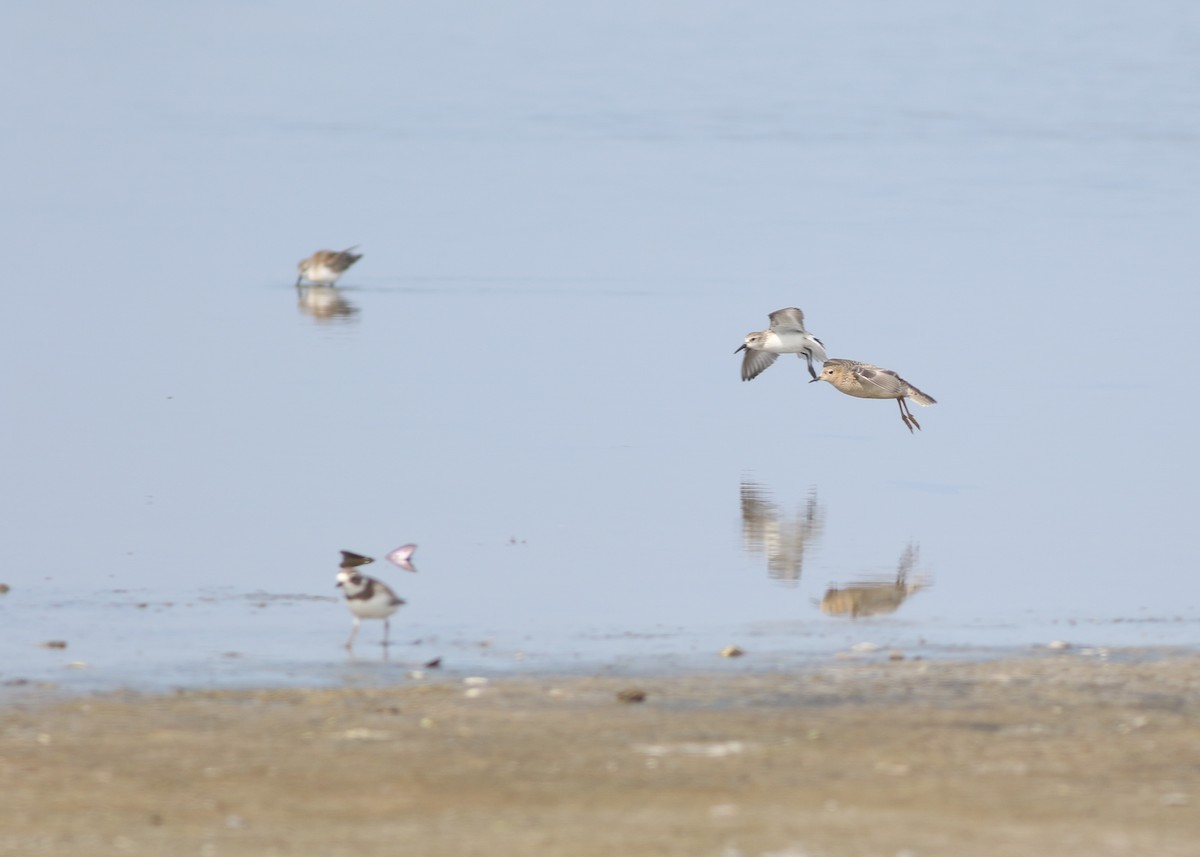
x,y
1061,754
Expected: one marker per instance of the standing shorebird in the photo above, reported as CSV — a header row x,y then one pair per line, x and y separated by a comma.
x,y
786,335
871,382
325,266
367,597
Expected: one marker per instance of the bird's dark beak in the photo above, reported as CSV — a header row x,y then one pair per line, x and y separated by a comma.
x,y
743,348
815,380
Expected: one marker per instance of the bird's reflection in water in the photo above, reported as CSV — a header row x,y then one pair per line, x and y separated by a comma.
x,y
781,536
877,597
325,303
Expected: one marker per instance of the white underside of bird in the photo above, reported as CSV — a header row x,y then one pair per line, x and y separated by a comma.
x,y
367,598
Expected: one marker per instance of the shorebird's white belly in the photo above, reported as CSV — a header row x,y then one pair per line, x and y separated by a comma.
x,y
321,274
376,608
791,342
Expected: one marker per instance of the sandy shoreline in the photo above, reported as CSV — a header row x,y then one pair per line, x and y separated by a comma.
x,y
1056,755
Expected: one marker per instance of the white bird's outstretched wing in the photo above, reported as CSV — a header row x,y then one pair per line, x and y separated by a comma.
x,y
755,362
791,318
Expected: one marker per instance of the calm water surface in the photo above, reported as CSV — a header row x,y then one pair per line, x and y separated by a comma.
x,y
570,219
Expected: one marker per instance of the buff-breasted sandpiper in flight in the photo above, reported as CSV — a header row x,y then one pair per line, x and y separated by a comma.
x,y
871,382
786,335
325,266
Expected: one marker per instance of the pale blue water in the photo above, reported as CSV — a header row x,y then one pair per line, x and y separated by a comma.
x,y
571,215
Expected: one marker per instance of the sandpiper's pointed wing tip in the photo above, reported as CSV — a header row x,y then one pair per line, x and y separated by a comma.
x,y
350,559
402,557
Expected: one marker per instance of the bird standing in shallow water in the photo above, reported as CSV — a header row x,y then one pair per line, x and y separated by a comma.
x,y
367,597
786,335
867,381
325,266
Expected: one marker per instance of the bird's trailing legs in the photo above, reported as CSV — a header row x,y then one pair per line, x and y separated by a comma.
x,y
907,415
808,356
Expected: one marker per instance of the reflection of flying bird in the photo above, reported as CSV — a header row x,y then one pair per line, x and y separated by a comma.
x,y
366,597
786,335
324,303
325,266
871,382
781,537
875,597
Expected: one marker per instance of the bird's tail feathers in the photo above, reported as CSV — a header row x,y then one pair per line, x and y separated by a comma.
x,y
922,399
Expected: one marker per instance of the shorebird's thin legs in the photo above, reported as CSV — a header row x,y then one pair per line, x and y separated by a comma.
x,y
907,415
811,371
387,627
353,634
